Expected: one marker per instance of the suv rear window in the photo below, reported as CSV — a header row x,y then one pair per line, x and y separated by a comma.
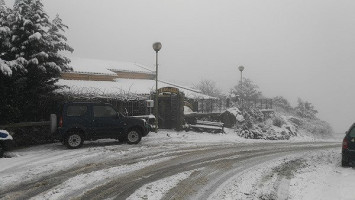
x,y
352,133
76,111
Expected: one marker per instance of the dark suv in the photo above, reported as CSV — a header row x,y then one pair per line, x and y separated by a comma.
x,y
348,150
91,121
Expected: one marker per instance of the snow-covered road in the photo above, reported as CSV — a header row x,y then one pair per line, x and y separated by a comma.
x,y
178,165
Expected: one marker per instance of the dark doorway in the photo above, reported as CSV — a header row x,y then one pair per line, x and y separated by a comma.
x,y
168,110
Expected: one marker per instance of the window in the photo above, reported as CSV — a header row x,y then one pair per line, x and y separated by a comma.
x,y
76,111
352,133
104,111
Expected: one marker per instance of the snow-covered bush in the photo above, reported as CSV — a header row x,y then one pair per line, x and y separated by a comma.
x,y
278,121
295,120
266,132
256,126
318,128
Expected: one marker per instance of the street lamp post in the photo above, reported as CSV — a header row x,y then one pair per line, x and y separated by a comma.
x,y
156,46
241,68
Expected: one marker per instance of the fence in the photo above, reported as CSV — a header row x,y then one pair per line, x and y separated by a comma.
x,y
260,103
220,105
211,105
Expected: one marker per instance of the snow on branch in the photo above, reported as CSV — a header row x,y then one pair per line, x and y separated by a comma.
x,y
4,68
5,30
35,36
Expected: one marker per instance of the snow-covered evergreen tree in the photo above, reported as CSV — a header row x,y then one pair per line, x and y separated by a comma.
x,y
30,59
27,34
2,4
6,62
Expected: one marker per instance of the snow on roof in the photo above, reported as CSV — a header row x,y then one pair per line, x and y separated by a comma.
x,y
130,67
106,66
123,87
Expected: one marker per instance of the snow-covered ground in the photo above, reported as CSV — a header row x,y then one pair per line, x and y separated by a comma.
x,y
310,176
304,175
157,189
324,179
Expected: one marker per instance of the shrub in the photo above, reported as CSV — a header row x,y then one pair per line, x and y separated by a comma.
x,y
277,121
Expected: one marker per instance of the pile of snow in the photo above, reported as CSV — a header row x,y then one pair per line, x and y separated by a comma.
x,y
237,113
187,110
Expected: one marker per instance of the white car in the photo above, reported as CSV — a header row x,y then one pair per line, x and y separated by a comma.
x,y
4,137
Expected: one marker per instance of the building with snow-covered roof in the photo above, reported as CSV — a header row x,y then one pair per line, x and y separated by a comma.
x,y
115,78
126,83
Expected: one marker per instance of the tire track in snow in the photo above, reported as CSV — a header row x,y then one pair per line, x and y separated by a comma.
x,y
35,186
81,183
219,162
157,189
216,158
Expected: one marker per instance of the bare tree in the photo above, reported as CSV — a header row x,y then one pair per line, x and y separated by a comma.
x,y
305,109
247,90
208,87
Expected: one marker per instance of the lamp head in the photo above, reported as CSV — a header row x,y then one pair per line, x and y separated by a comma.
x,y
157,46
241,68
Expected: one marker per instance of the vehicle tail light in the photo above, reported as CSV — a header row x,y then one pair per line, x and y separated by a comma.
x,y
345,144
61,121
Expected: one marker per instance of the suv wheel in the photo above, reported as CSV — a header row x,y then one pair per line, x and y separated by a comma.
x,y
344,162
134,136
74,140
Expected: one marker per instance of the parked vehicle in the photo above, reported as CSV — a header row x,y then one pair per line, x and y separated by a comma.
x,y
5,137
91,121
348,150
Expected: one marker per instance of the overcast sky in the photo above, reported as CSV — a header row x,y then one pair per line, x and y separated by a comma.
x,y
292,48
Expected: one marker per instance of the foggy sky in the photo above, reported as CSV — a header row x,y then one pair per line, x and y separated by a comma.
x,y
303,48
